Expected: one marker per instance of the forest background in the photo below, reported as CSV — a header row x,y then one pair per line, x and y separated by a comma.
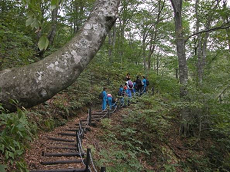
x,y
186,130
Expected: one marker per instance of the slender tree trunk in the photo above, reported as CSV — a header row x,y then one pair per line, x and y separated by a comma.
x,y
114,36
144,52
154,37
180,44
53,27
110,43
76,16
158,64
183,69
202,45
52,32
227,21
199,45
228,36
38,82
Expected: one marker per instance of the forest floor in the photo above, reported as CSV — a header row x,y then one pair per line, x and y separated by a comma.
x,y
42,143
33,155
173,149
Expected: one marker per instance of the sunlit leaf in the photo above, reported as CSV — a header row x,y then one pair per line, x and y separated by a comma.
x,y
29,21
43,43
54,4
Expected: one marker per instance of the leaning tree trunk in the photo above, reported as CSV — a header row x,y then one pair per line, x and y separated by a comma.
x,y
38,82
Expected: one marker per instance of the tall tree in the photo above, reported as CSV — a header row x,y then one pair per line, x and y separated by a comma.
x,y
38,82
202,39
180,45
183,69
153,39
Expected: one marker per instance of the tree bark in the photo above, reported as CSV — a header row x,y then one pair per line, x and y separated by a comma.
x,y
202,45
161,5
38,82
183,69
180,44
199,43
52,32
53,26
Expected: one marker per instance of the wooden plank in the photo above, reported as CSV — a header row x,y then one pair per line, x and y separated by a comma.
x,y
61,162
60,139
66,143
57,147
67,154
67,134
61,170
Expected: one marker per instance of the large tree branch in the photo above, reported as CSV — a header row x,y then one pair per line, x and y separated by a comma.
x,y
224,26
38,82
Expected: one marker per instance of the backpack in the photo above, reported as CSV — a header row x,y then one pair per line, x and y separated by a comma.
x,y
138,82
121,92
147,82
130,83
142,83
101,95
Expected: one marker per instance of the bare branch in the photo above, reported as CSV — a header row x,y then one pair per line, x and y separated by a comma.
x,y
224,26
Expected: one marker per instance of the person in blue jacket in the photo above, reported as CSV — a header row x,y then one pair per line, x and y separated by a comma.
x,y
121,94
110,99
121,91
104,99
129,84
145,85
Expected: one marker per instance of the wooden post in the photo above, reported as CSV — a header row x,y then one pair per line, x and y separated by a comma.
x,y
87,160
77,138
90,116
81,130
103,169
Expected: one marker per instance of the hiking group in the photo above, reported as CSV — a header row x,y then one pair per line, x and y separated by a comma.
x,y
126,91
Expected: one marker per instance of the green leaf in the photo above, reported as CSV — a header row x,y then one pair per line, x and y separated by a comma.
x,y
43,43
54,4
3,168
35,23
29,21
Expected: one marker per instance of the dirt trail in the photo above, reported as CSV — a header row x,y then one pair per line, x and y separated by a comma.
x,y
33,156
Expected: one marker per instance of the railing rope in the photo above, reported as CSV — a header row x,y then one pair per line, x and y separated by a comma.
x,y
91,159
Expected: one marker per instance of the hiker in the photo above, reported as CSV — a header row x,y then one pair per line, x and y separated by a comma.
x,y
104,99
128,77
144,84
134,87
111,101
121,91
138,85
129,88
147,84
121,94
109,98
126,93
125,88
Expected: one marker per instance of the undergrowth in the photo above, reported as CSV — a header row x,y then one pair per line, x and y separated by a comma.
x,y
146,138
16,131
